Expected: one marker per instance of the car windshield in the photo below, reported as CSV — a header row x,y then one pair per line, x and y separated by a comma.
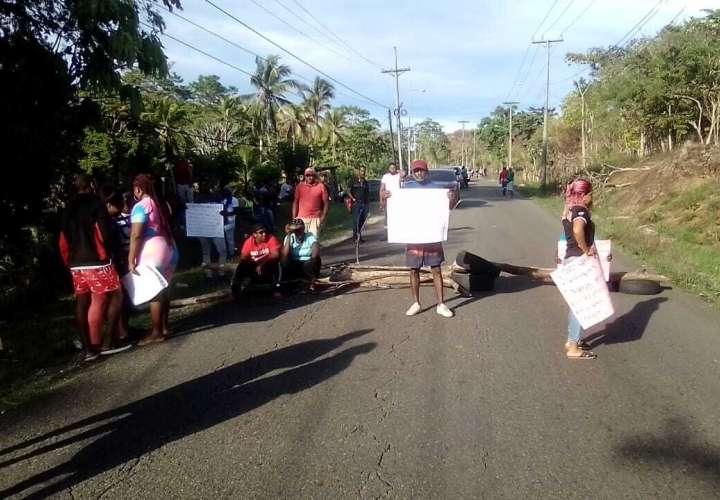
x,y
442,175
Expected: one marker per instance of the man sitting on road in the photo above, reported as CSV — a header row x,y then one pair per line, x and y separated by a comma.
x,y
259,260
425,254
311,202
300,254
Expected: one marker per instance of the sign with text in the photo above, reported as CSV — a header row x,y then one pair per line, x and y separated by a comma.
x,y
143,285
581,283
418,216
203,220
603,248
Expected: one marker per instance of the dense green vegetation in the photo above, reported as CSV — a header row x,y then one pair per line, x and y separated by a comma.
x,y
87,87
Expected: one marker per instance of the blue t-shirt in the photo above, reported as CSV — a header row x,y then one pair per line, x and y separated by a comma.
x,y
302,251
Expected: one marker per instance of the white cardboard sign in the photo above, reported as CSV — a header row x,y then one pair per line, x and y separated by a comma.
x,y
418,216
144,284
603,248
203,220
581,283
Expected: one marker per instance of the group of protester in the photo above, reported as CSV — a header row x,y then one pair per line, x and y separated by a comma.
x,y
102,240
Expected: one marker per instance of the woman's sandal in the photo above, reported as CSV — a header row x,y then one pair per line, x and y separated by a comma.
x,y
581,345
583,355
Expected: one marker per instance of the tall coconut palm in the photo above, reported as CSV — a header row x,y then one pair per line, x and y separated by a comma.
x,y
293,123
316,99
272,82
334,128
167,117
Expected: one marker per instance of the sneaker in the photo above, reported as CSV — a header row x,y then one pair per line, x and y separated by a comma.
x,y
91,356
413,310
444,311
120,347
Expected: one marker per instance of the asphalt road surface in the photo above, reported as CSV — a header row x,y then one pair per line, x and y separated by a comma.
x,y
345,397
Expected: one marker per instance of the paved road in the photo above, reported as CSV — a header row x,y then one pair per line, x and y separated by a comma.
x,y
345,397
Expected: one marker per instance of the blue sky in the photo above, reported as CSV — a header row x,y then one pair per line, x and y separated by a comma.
x,y
465,55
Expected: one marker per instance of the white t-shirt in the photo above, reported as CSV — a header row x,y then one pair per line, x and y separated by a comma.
x,y
392,182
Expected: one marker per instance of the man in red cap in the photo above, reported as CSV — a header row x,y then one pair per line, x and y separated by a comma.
x,y
311,202
425,254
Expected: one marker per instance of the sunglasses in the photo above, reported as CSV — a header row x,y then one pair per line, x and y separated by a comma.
x,y
309,175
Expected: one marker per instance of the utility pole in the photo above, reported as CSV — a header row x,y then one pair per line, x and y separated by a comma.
x,y
396,73
582,88
462,146
473,163
392,139
547,99
510,134
409,140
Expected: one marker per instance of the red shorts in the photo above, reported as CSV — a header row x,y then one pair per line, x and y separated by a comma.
x,y
95,280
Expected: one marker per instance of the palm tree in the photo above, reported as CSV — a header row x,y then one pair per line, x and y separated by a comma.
x,y
167,117
334,128
294,123
316,99
272,81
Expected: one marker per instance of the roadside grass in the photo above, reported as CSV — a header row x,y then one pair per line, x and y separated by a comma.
x,y
677,236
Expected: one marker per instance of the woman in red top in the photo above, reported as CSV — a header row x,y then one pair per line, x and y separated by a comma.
x,y
259,259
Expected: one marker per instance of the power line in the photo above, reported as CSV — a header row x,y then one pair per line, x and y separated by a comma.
x,y
650,14
206,54
524,58
296,2
244,49
316,29
297,30
557,19
579,16
293,55
545,18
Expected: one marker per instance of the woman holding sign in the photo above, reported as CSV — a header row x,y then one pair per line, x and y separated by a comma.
x,y
580,235
151,244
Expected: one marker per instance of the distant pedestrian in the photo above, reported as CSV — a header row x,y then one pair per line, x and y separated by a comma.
x,y
503,179
426,254
360,195
86,244
152,244
579,232
511,182
206,243
311,203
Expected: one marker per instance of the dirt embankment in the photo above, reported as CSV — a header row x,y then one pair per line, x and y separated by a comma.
x,y
666,209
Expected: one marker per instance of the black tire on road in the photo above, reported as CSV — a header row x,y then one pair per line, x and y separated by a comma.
x,y
474,282
640,287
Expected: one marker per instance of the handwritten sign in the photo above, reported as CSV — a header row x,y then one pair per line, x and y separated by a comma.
x,y
581,283
143,285
603,249
203,220
418,216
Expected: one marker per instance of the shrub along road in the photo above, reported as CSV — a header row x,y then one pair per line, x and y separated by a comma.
x,y
343,396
